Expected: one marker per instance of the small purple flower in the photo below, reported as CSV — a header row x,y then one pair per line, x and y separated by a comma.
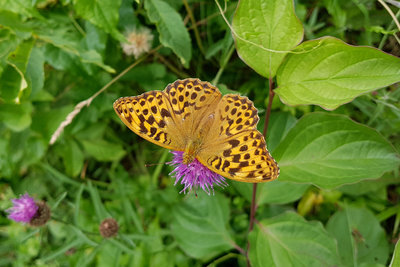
x,y
23,210
194,175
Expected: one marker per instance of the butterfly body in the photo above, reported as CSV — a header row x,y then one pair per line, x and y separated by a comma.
x,y
192,116
191,150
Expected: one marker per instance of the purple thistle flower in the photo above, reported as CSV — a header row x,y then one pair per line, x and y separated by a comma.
x,y
23,210
194,175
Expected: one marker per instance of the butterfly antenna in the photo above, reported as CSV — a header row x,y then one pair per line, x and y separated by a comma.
x,y
153,164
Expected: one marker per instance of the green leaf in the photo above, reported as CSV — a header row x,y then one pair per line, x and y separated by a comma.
x,y
329,73
262,26
59,176
35,71
17,117
99,208
35,149
95,58
72,157
103,150
61,250
25,7
103,14
10,84
127,18
332,150
199,226
173,33
360,237
279,125
96,38
12,80
46,122
396,256
8,41
369,186
129,211
19,58
275,192
289,240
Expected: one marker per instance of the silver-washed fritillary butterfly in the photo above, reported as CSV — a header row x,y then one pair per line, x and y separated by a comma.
x,y
192,116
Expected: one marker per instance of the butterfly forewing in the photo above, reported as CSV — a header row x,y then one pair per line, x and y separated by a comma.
x,y
149,115
192,101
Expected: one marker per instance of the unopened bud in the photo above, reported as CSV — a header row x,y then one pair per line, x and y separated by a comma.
x,y
108,228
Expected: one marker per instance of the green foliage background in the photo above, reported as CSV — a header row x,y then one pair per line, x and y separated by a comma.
x,y
333,133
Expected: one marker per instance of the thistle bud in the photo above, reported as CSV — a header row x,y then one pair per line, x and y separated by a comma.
x,y
108,228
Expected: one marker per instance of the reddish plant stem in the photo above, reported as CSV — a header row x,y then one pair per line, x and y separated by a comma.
x,y
268,113
253,199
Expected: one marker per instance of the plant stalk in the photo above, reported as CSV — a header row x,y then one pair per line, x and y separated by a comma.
x,y
253,199
194,25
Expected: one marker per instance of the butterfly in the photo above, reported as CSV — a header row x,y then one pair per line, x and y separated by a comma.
x,y
192,116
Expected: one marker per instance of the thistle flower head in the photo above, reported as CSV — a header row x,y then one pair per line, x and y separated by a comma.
x,y
194,175
139,42
23,209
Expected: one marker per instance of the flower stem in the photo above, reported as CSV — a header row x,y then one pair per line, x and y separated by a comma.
x,y
223,65
253,199
194,24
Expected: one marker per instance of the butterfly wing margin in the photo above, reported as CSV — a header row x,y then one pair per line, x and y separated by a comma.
x,y
242,157
149,116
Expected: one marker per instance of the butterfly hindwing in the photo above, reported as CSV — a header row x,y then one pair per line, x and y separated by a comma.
x,y
238,150
242,157
237,113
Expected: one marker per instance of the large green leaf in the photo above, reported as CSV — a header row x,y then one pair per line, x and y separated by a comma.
x,y
328,72
289,240
262,26
173,33
199,226
332,150
360,237
103,14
